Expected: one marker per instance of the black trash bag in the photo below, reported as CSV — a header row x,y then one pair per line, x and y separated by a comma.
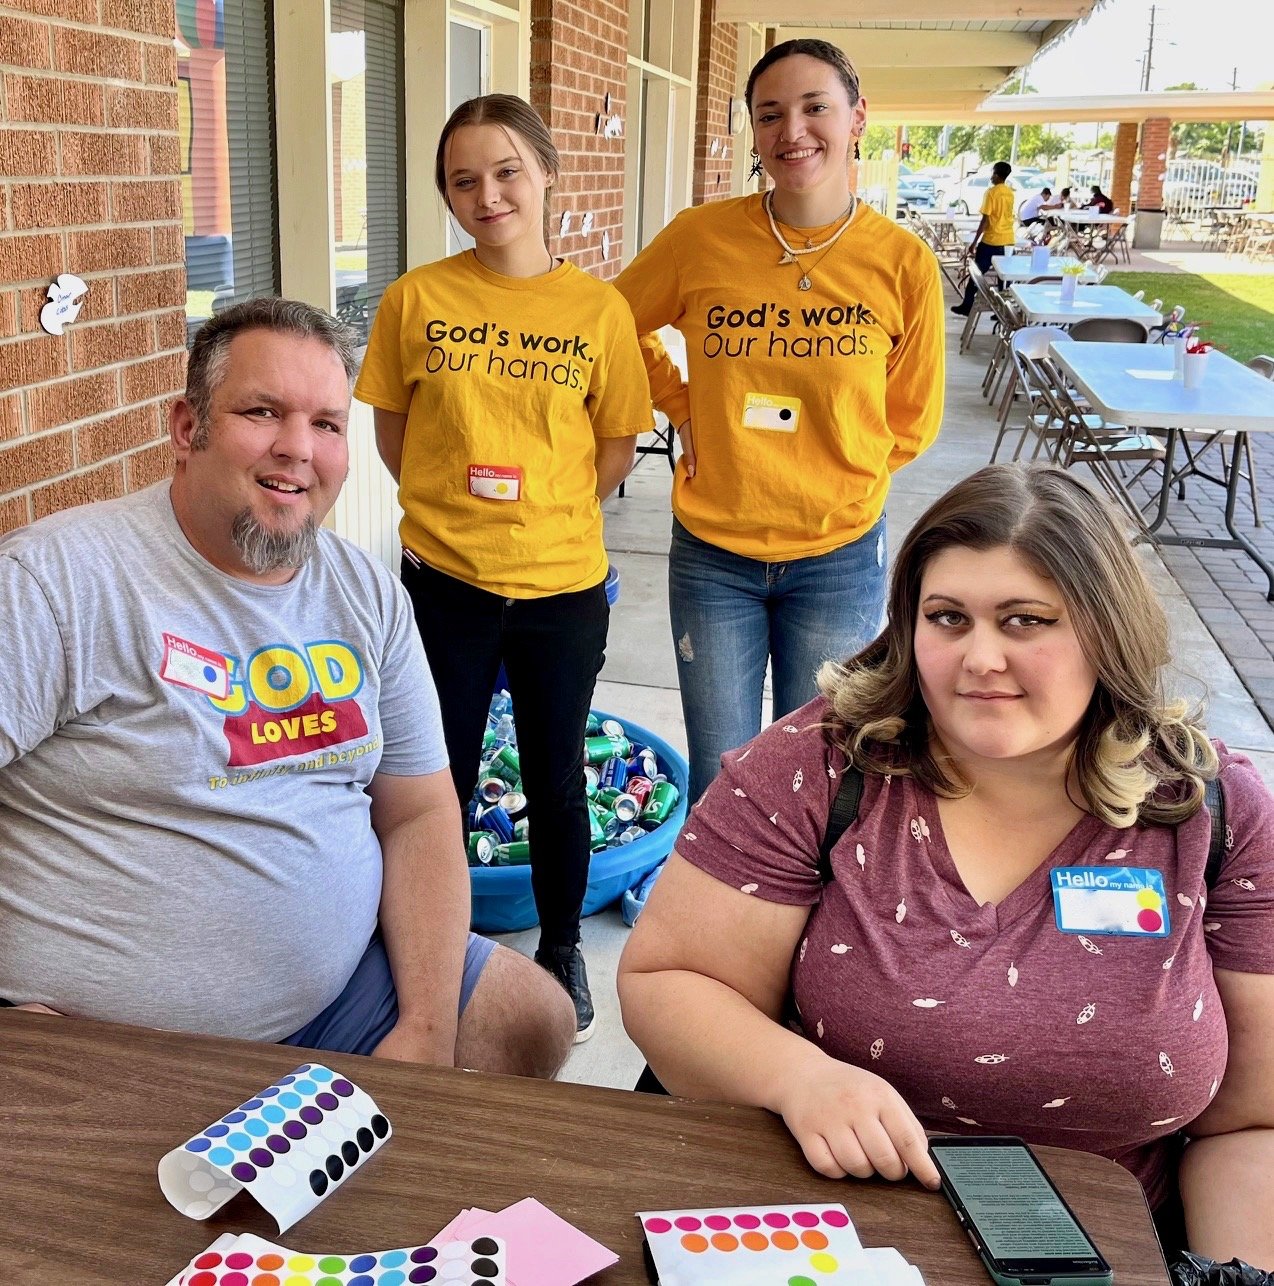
x,y
1195,1270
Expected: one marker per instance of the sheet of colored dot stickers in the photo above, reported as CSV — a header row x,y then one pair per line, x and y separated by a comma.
x,y
289,1146
246,1260
808,1245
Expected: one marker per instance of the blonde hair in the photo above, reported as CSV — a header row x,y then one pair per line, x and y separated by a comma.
x,y
1137,756
511,113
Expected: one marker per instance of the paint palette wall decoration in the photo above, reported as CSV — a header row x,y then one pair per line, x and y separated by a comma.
x,y
246,1260
290,1146
812,1245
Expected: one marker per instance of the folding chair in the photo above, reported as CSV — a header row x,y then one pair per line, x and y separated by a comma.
x,y
1109,330
1027,345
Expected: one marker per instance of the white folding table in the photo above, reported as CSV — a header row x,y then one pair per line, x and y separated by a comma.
x,y
1043,305
1135,384
1012,268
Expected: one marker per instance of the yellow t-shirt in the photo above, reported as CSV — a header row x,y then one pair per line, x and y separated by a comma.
x,y
802,402
997,205
507,383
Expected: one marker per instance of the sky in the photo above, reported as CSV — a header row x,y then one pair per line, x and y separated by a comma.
x,y
1203,43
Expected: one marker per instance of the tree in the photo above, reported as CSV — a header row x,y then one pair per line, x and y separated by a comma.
x,y
1209,138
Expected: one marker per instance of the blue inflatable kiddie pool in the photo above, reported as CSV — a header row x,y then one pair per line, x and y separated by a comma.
x,y
502,900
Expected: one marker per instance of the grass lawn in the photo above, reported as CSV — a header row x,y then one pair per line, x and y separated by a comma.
x,y
1236,310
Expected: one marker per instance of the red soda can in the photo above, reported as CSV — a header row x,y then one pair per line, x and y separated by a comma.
x,y
639,788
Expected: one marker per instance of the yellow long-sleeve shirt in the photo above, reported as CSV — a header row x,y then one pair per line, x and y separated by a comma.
x,y
802,403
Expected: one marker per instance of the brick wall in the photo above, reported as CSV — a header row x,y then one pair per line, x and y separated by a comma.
x,y
718,56
1125,158
89,165
1156,135
579,54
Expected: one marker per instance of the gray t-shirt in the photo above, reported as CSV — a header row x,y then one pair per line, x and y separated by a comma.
x,y
185,835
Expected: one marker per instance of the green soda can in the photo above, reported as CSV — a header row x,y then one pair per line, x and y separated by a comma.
x,y
593,725
663,799
507,764
596,832
521,829
482,849
607,796
488,740
597,750
516,854
591,781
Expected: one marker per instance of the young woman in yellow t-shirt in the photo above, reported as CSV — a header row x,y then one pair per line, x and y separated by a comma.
x,y
814,343
508,390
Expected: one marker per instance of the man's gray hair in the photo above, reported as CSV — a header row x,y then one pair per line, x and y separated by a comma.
x,y
206,367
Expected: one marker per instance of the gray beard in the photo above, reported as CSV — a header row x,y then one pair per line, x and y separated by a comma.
x,y
263,550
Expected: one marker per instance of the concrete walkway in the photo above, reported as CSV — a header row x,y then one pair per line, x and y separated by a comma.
x,y
639,678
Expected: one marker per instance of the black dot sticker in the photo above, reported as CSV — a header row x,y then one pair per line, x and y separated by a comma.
x,y
485,1268
366,1139
349,1150
484,1246
318,1181
334,1167
380,1125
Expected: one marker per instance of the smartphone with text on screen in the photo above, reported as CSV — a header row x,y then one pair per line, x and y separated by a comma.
x,y
1024,1232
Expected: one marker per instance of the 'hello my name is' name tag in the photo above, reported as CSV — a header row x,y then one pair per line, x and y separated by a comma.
x,y
1126,900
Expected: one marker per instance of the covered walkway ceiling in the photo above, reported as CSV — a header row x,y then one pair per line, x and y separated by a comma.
x,y
921,60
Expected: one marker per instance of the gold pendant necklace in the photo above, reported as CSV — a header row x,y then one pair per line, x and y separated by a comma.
x,y
791,253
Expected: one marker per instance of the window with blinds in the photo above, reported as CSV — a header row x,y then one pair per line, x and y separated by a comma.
x,y
365,55
225,87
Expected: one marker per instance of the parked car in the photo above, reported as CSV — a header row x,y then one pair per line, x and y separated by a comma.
x,y
965,197
915,189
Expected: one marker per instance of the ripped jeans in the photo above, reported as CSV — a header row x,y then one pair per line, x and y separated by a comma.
x,y
730,614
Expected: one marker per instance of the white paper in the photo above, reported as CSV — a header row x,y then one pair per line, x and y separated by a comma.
x,y
289,1146
1152,375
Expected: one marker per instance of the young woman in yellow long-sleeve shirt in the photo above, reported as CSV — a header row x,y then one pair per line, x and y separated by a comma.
x,y
814,338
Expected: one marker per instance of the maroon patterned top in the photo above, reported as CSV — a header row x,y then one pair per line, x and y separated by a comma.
x,y
988,1019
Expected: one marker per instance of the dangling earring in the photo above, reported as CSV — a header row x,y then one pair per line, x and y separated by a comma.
x,y
754,171
857,156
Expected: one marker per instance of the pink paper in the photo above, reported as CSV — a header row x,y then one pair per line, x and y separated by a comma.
x,y
542,1248
454,1230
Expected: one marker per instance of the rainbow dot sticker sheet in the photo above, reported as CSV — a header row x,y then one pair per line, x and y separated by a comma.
x,y
290,1146
813,1245
246,1260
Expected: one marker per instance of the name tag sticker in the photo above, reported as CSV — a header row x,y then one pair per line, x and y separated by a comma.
x,y
768,411
495,482
190,666
1126,900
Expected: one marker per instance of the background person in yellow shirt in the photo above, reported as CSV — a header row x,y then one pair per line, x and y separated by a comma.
x,y
814,341
994,235
509,390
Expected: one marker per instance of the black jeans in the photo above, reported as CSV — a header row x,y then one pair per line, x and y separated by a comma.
x,y
982,256
552,649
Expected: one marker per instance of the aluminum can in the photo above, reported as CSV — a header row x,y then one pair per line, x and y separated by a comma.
x,y
517,853
596,832
601,748
507,764
626,808
607,796
592,781
632,833
611,825
645,763
482,849
521,830
614,773
498,822
491,790
488,740
663,799
514,803
592,725
639,788
613,728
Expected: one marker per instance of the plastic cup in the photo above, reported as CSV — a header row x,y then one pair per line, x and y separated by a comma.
x,y
1196,364
1039,259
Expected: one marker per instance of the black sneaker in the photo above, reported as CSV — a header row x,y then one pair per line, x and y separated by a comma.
x,y
959,311
566,964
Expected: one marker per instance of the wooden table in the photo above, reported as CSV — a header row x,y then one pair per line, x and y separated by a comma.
x,y
1127,384
87,1109
1043,305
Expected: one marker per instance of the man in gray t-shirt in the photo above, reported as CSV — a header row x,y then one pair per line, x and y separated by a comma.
x,y
224,797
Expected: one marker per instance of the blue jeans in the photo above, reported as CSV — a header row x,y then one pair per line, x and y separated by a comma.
x,y
730,614
982,256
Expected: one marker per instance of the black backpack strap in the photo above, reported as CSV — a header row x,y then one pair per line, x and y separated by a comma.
x,y
844,810
1214,798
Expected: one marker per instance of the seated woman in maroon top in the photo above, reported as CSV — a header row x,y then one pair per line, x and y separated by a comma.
x,y
1008,722
1100,202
